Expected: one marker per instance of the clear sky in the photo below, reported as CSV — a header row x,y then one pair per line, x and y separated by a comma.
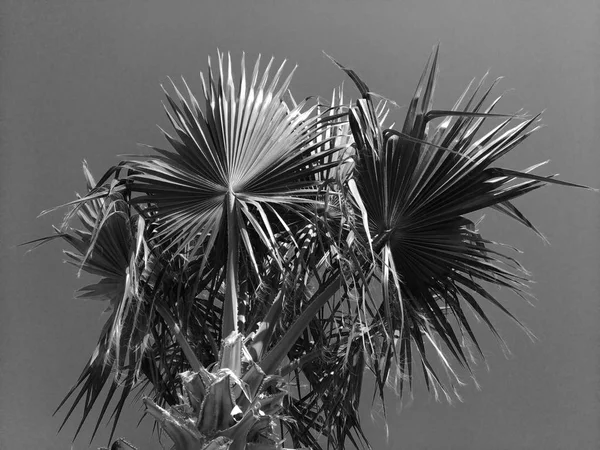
x,y
80,79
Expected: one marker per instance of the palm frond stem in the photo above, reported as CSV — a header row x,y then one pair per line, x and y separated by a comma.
x,y
230,306
177,333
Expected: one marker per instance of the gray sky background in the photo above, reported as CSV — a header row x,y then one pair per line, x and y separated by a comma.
x,y
81,80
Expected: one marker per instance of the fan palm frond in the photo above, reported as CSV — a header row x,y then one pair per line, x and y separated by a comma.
x,y
415,188
239,168
110,245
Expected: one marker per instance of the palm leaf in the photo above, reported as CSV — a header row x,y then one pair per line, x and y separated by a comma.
x,y
110,244
417,186
244,163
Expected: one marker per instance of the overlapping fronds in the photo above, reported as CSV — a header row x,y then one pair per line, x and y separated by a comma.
x,y
327,371
277,250
213,218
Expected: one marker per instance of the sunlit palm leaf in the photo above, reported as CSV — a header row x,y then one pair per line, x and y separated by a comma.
x,y
241,165
249,144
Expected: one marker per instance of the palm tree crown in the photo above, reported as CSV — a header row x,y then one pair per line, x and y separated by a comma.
x,y
277,250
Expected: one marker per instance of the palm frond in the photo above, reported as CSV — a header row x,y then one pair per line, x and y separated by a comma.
x,y
248,143
242,165
110,244
417,186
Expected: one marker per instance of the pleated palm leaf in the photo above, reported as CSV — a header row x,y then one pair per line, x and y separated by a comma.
x,y
109,244
416,187
239,170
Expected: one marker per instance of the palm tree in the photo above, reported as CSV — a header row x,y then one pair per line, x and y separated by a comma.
x,y
257,268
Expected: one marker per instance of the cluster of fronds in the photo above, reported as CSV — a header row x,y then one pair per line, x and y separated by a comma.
x,y
331,243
